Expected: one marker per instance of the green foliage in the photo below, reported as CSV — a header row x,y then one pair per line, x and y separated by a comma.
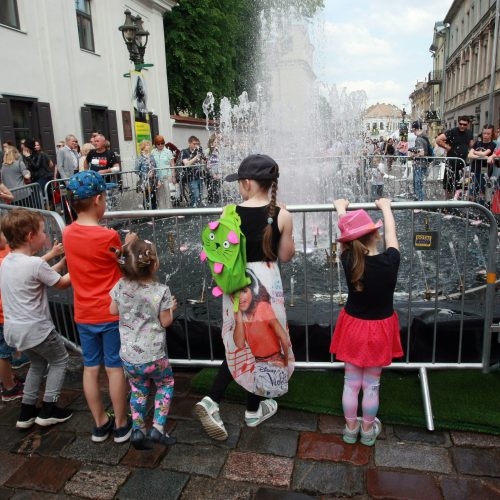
x,y
213,45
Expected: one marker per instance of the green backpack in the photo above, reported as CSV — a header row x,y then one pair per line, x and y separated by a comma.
x,y
224,247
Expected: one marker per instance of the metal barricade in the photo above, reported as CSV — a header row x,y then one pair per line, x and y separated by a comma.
x,y
399,179
29,196
61,301
166,227
318,285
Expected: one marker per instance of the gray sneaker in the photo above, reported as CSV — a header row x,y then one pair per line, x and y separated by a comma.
x,y
267,409
368,438
350,436
207,411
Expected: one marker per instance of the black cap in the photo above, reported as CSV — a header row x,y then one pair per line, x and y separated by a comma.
x,y
257,167
416,125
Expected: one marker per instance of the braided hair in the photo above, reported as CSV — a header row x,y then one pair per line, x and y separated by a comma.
x,y
267,235
137,260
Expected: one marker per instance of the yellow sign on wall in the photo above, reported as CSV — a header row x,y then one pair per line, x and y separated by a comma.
x,y
142,133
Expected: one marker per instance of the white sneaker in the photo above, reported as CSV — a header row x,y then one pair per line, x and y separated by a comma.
x,y
267,409
207,411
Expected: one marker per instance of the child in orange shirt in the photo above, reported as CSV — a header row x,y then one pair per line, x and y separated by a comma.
x,y
94,272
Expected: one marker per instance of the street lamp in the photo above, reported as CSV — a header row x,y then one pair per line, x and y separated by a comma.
x,y
135,37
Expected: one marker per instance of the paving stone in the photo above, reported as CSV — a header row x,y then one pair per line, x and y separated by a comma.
x,y
97,481
412,456
477,461
269,440
10,438
273,494
328,478
191,432
145,483
202,460
403,433
475,439
5,493
203,488
401,485
331,424
38,495
293,420
232,413
183,408
316,446
9,464
43,473
67,396
182,384
9,413
460,487
144,458
85,450
81,422
256,468
44,441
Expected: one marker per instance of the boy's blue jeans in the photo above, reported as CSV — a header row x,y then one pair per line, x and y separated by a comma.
x,y
195,188
419,174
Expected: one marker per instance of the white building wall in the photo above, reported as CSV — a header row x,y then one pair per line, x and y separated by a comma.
x,y
43,60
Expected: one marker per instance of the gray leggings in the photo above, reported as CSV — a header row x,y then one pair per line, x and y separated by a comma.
x,y
50,352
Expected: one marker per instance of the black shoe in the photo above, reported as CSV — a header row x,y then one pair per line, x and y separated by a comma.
x,y
12,394
122,434
27,416
157,437
50,414
100,434
139,441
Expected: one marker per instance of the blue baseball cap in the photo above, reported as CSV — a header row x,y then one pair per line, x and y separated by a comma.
x,y
88,183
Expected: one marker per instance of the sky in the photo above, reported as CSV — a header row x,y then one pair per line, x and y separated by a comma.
x,y
380,46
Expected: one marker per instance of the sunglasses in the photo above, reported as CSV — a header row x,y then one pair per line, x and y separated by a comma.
x,y
160,144
463,124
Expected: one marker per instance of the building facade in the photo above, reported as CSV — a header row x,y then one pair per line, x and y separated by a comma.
x,y
469,27
63,71
382,120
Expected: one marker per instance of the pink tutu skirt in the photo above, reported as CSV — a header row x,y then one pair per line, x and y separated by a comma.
x,y
366,343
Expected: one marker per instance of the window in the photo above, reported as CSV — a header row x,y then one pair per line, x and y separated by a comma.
x,y
8,13
84,22
381,126
22,120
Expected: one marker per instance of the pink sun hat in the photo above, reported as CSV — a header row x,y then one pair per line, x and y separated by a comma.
x,y
355,224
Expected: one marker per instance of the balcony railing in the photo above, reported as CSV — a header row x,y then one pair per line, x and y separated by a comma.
x,y
435,77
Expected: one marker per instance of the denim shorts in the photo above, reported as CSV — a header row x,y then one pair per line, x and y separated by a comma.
x,y
6,352
100,344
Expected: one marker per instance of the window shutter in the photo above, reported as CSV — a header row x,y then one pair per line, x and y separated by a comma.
x,y
155,129
46,130
6,128
86,124
113,131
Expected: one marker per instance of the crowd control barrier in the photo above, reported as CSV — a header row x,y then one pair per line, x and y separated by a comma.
x,y
30,196
314,286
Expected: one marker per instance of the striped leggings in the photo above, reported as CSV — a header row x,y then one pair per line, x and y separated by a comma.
x,y
355,379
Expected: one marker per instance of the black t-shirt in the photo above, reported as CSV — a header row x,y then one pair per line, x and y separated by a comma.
x,y
101,161
253,222
389,150
459,142
190,173
479,145
39,165
379,280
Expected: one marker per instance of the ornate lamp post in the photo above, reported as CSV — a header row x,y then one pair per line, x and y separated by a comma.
x,y
136,39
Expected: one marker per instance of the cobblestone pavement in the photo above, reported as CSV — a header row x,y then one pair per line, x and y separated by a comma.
x,y
295,455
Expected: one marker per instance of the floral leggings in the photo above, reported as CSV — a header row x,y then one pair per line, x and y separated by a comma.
x,y
139,377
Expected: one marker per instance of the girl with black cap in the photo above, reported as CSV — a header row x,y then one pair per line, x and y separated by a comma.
x,y
259,354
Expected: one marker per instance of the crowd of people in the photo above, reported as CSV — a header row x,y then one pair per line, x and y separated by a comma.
x,y
121,312
472,165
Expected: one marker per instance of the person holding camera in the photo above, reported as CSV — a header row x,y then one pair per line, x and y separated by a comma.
x,y
192,158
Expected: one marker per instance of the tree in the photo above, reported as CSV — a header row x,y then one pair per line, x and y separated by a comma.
x,y
213,45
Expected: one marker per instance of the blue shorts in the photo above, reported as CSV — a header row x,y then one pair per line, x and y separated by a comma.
x,y
6,352
100,344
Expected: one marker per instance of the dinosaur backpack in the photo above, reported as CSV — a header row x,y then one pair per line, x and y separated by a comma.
x,y
224,248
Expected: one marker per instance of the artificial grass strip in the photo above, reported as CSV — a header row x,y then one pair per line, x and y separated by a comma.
x,y
465,400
